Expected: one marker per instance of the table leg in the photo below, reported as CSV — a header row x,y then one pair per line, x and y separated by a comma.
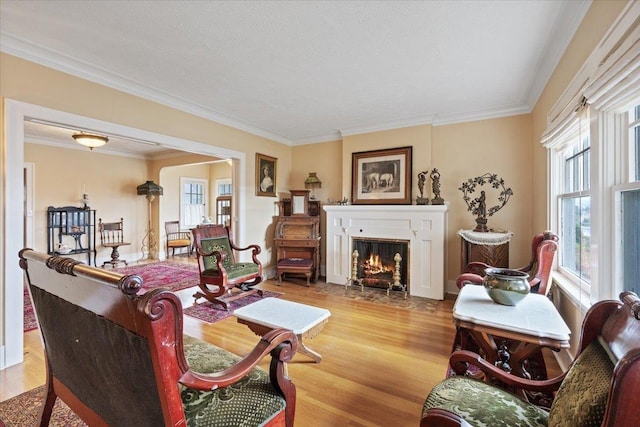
x,y
303,349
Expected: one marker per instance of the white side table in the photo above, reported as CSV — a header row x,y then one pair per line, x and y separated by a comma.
x,y
267,314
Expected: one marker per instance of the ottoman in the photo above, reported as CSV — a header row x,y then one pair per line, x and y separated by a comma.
x,y
296,266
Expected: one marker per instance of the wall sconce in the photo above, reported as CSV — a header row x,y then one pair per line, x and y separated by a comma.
x,y
150,190
312,182
90,140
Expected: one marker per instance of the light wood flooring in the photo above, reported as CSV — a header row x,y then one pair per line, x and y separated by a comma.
x,y
379,362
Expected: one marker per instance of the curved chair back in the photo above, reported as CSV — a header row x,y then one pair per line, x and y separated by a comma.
x,y
543,249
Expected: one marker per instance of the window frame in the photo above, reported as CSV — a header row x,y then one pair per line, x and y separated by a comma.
x,y
183,201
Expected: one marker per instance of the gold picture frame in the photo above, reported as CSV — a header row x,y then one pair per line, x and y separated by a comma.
x,y
266,174
382,177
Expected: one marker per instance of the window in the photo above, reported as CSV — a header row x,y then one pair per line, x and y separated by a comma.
x,y
193,202
628,215
594,169
575,209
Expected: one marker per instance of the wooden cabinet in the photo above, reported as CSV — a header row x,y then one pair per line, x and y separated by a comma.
x,y
223,210
490,248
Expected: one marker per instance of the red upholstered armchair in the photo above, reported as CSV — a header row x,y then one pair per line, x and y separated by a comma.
x,y
118,357
543,250
601,388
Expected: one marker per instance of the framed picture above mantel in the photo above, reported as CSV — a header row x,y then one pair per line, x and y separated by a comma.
x,y
381,177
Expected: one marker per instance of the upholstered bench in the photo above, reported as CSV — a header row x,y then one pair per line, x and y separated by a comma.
x,y
296,266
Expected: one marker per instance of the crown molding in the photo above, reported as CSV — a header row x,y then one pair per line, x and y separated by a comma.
x,y
482,115
58,61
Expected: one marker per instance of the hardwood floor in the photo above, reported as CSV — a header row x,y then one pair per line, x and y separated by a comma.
x,y
379,362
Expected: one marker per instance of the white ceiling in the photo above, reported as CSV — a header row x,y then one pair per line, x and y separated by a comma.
x,y
305,71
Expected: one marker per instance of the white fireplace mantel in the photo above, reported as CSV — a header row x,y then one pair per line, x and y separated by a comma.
x,y
424,226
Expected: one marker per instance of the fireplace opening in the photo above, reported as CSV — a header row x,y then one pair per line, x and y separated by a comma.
x,y
381,263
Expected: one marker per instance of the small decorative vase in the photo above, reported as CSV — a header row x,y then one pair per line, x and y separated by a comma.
x,y
506,286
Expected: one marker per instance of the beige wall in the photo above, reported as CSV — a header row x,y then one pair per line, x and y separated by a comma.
x,y
26,81
61,176
460,151
500,146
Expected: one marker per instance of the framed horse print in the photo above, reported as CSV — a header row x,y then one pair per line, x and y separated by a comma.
x,y
381,177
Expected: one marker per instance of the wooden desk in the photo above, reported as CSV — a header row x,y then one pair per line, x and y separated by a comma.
x,y
531,325
298,237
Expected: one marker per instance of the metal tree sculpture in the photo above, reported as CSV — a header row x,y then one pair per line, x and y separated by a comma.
x,y
478,206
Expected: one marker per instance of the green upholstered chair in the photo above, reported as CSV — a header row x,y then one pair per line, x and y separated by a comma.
x,y
220,274
601,388
119,358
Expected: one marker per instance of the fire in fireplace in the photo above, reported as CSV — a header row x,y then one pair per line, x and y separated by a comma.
x,y
381,263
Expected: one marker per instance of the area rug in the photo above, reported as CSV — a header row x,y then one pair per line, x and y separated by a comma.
x,y
30,322
379,296
211,313
24,410
172,275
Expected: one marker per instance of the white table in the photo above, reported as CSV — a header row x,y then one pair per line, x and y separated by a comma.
x,y
532,324
271,313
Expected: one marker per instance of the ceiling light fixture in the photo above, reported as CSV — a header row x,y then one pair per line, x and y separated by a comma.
x,y
90,140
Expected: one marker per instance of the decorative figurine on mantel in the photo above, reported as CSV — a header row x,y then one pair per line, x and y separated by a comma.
x,y
421,200
435,186
478,206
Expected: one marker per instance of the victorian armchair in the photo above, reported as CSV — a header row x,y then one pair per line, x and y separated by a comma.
x,y
220,274
601,388
119,358
543,250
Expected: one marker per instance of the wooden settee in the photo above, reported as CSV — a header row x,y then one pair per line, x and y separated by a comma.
x,y
117,357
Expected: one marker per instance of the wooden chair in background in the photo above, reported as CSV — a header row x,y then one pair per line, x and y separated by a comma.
x,y
119,358
112,236
219,271
176,238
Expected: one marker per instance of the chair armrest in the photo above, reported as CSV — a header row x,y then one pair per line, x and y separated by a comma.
x,y
281,343
468,279
465,357
256,249
476,267
442,418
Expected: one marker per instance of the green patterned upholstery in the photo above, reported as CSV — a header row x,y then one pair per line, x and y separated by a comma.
x,y
234,269
582,397
249,402
580,401
483,405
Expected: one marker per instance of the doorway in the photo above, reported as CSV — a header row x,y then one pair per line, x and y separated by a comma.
x,y
13,234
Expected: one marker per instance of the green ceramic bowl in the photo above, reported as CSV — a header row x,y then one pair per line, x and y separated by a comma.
x,y
506,286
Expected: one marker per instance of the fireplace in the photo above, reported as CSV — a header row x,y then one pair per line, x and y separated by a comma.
x,y
422,227
380,263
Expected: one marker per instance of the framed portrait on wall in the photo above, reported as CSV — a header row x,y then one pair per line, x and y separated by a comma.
x,y
266,175
381,177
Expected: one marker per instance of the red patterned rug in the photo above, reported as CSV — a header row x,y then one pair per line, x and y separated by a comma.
x,y
172,275
30,322
210,313
24,410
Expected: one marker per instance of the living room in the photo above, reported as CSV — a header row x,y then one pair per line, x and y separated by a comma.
x,y
512,144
